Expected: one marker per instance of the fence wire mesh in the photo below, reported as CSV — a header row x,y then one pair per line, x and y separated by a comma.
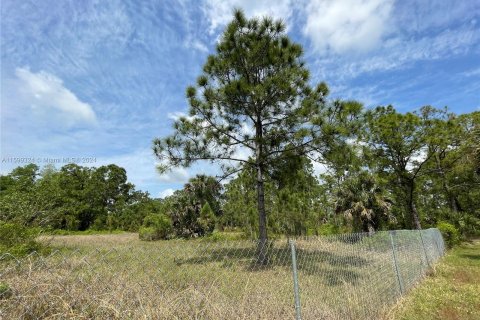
x,y
352,276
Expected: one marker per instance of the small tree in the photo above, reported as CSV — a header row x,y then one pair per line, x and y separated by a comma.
x,y
155,227
207,219
254,96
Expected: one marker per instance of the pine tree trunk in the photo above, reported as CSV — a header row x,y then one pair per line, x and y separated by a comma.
x,y
262,249
262,219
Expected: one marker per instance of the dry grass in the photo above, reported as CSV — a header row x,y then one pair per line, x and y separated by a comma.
x,y
120,277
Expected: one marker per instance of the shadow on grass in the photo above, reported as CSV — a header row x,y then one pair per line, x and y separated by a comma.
x,y
470,256
333,269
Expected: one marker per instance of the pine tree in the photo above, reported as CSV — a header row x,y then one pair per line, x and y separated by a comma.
x,y
254,96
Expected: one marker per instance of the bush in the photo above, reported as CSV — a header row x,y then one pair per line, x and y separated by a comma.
x,y
225,236
328,229
451,235
155,227
206,220
17,240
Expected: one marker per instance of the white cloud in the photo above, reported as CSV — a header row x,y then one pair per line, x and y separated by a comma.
x,y
45,92
219,12
242,153
196,45
417,158
346,25
140,165
166,193
175,175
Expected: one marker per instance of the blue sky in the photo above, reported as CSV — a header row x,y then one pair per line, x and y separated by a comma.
x,y
101,79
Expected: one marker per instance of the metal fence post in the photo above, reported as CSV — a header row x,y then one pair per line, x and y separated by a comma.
x,y
395,264
298,313
424,249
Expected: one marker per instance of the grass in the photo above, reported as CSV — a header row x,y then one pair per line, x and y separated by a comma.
x,y
116,276
59,232
451,292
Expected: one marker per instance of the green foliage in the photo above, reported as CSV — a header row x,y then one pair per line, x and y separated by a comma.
x,y
391,170
451,235
191,213
364,202
5,291
294,199
225,236
397,141
207,219
17,240
155,227
328,229
469,225
73,198
255,94
207,189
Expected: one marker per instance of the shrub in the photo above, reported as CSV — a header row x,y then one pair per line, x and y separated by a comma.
x,y
225,236
328,229
207,219
17,240
155,227
449,232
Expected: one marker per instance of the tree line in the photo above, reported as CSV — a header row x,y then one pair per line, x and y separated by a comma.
x,y
400,170
255,113
384,168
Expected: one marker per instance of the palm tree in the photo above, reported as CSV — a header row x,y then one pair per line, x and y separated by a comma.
x,y
363,201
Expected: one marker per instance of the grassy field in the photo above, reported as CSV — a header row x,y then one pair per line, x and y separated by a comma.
x,y
452,292
119,277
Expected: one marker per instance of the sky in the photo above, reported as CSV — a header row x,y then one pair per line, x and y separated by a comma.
x,y
97,81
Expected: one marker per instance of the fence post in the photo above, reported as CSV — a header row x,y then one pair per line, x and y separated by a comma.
x,y
298,313
424,249
395,264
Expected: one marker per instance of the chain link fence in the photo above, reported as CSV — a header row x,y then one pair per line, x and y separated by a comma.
x,y
351,276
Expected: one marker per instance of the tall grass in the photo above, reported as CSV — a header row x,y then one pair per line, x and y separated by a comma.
x,y
119,277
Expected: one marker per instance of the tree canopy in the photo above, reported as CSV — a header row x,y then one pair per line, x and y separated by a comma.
x,y
293,161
